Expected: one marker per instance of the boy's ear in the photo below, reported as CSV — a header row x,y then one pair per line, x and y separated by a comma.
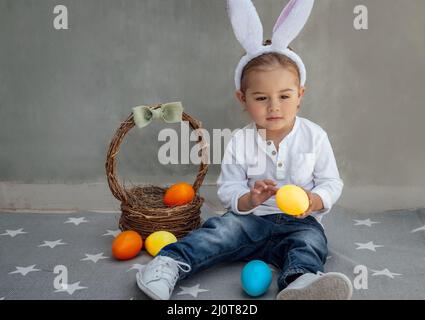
x,y
240,96
301,92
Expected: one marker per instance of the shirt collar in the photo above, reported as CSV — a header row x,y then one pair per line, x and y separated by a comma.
x,y
292,132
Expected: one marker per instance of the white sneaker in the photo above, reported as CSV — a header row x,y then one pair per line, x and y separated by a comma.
x,y
158,278
320,286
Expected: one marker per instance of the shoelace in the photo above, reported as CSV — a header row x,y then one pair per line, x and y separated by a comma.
x,y
172,277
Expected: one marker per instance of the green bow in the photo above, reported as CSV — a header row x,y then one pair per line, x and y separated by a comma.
x,y
169,112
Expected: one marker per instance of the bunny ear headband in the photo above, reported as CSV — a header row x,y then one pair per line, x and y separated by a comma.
x,y
249,32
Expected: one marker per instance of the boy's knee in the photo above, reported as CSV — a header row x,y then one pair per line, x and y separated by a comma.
x,y
311,239
311,235
223,220
233,225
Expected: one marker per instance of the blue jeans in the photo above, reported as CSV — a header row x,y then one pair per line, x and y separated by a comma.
x,y
294,246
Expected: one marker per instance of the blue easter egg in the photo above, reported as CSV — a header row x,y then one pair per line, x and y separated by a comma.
x,y
256,278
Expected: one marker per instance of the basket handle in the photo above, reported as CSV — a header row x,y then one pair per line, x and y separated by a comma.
x,y
116,188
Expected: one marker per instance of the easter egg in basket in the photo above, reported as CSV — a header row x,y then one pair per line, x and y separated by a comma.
x,y
179,194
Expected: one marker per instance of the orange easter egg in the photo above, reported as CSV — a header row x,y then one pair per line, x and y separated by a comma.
x,y
127,245
179,194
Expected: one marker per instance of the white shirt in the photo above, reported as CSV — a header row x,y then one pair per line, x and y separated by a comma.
x,y
305,158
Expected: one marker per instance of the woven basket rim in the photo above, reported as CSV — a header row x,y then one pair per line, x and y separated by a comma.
x,y
115,186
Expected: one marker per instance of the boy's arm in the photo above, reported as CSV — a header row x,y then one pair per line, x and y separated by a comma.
x,y
245,203
327,183
233,184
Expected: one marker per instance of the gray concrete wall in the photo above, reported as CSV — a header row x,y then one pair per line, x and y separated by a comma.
x,y
63,93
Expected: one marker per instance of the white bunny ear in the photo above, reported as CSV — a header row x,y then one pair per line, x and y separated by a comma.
x,y
246,24
290,22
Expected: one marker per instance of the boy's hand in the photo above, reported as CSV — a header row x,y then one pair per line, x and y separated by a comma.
x,y
262,191
310,207
315,204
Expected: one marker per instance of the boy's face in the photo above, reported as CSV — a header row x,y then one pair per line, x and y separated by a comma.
x,y
272,97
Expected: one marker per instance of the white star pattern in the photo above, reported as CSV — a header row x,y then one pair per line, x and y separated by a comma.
x,y
369,246
366,222
112,233
12,273
71,288
385,272
25,270
94,257
193,291
52,244
76,221
418,229
13,233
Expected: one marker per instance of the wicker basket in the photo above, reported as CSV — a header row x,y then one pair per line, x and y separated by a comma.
x,y
142,207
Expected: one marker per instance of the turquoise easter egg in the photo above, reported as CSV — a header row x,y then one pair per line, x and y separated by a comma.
x,y
256,278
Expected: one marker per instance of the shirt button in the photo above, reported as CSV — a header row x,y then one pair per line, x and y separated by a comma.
x,y
274,153
269,143
280,164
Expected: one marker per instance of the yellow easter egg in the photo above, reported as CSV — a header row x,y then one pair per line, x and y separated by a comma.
x,y
157,240
292,200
